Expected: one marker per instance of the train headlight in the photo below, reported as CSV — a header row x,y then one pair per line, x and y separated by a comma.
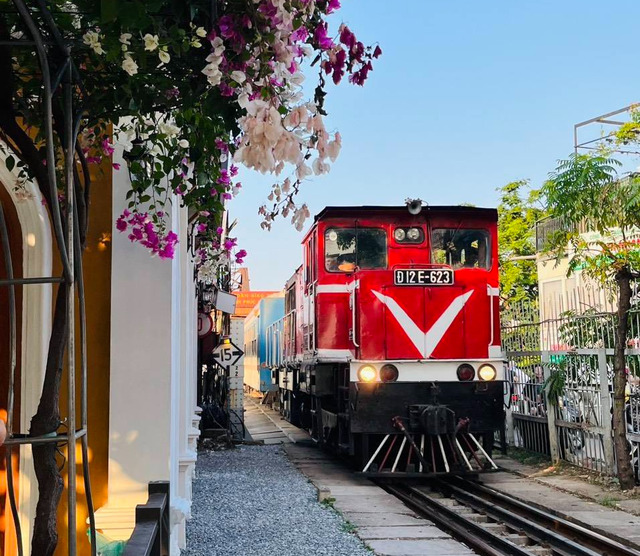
x,y
413,234
367,373
466,372
487,372
388,373
399,234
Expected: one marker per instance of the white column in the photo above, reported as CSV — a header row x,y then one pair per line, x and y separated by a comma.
x,y
178,511
152,398
187,434
141,373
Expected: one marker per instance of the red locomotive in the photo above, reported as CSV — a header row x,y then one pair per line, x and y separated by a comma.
x,y
390,345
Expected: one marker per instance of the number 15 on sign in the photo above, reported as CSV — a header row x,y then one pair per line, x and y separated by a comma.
x,y
227,353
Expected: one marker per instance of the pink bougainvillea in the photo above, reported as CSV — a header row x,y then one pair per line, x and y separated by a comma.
x,y
144,230
249,63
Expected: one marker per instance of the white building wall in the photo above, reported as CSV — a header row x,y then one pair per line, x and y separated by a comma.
x,y
153,308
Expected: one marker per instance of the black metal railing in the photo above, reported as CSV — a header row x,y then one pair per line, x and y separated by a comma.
x,y
151,534
545,229
548,227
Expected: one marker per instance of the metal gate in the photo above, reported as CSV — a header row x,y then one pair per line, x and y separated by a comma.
x,y
560,376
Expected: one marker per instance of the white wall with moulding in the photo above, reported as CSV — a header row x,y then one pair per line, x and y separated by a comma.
x,y
36,327
152,408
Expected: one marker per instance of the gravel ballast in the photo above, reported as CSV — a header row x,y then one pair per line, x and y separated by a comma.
x,y
252,501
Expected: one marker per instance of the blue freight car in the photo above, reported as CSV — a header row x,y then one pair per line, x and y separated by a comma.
x,y
257,372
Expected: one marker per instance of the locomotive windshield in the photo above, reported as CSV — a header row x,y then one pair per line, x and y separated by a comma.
x,y
348,248
460,248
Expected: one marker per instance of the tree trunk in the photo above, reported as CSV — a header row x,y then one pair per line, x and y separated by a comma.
x,y
620,443
45,421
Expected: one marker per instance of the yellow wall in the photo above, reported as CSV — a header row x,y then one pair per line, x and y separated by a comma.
x,y
97,277
560,292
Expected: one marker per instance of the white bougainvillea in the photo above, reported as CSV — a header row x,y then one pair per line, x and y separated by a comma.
x,y
202,94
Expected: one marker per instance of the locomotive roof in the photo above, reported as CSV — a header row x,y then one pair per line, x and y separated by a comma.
x,y
341,211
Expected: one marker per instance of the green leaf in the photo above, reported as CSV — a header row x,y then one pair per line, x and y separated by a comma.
x,y
108,10
10,162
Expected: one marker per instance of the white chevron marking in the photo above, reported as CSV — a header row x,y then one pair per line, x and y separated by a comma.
x,y
425,342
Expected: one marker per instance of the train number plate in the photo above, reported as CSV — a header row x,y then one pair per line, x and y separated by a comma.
x,y
423,277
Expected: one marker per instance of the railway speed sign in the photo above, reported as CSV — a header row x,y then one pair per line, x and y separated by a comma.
x,y
226,353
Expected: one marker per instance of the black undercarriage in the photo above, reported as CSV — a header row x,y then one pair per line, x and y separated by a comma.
x,y
430,428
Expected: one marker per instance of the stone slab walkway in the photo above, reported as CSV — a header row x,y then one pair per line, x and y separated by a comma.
x,y
384,523
265,425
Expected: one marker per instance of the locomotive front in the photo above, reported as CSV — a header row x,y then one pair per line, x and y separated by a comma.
x,y
401,363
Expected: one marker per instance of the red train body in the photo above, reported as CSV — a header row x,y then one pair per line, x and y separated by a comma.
x,y
391,331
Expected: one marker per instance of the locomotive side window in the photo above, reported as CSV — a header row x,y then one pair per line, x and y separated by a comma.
x,y
460,248
348,248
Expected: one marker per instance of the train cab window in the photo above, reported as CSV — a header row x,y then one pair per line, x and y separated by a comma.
x,y
348,248
460,248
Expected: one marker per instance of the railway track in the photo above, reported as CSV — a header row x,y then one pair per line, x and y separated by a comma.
x,y
496,524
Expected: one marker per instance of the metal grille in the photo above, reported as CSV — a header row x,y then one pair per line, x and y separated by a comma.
x,y
274,343
281,341
527,408
633,430
580,414
57,77
547,227
576,341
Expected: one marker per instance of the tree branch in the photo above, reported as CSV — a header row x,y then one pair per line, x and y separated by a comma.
x,y
86,181
26,149
45,421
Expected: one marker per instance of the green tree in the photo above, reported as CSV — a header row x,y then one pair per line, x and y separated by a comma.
x,y
518,213
585,192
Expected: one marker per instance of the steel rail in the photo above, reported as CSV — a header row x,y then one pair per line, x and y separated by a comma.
x,y
39,280
61,43
469,532
44,439
17,42
561,544
538,520
82,313
41,51
69,154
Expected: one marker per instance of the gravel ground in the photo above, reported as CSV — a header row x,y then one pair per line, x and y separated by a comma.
x,y
252,501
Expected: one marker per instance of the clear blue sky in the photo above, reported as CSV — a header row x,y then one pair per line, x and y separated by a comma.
x,y
466,97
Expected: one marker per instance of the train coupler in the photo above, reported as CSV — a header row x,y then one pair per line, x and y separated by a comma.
x,y
432,419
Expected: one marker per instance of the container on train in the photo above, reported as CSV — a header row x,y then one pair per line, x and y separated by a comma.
x,y
257,372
